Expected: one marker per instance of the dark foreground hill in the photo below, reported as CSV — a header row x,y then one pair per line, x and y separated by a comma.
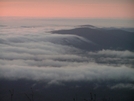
x,y
80,91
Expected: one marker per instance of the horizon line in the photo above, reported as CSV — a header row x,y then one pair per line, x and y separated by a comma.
x,y
38,17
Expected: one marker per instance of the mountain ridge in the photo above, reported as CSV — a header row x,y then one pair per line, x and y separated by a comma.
x,y
115,39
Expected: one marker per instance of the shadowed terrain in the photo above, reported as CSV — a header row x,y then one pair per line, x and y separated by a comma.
x,y
103,38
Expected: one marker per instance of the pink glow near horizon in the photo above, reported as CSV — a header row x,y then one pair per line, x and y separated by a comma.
x,y
66,10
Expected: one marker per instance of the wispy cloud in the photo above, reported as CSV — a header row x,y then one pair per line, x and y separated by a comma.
x,y
122,85
114,53
73,72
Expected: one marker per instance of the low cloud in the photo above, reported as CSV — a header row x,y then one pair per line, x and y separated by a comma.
x,y
83,71
123,86
113,57
114,53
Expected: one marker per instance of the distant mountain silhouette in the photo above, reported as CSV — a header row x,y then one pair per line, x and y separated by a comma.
x,y
104,38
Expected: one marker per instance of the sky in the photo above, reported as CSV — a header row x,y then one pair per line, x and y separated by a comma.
x,y
68,8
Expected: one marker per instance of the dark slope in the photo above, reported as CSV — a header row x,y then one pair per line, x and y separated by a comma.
x,y
74,41
106,39
66,92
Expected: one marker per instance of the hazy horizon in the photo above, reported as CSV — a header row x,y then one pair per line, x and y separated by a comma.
x,y
99,22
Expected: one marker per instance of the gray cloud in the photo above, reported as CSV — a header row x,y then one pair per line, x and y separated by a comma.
x,y
122,85
114,53
85,71
113,57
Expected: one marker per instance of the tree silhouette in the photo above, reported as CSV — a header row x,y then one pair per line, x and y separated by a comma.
x,y
11,94
32,96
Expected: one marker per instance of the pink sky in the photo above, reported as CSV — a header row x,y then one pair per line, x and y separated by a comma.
x,y
68,8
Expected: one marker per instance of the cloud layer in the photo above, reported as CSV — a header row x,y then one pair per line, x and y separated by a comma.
x,y
45,57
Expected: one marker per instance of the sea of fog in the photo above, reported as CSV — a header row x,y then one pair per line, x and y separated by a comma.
x,y
30,52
